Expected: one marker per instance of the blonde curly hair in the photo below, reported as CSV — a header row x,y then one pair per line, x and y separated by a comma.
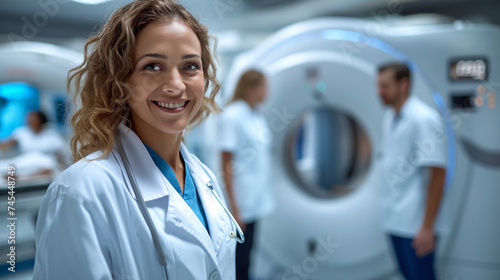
x,y
101,90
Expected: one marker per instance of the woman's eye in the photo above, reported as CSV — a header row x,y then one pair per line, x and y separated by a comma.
x,y
191,66
152,66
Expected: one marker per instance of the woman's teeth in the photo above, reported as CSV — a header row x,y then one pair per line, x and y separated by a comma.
x,y
172,105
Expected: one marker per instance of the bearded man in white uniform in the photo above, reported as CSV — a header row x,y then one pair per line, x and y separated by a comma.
x,y
414,168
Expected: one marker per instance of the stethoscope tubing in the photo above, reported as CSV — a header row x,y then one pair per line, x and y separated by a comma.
x,y
142,206
147,217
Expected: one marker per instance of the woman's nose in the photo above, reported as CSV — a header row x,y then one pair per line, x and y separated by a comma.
x,y
173,83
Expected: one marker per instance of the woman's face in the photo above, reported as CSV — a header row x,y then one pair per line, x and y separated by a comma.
x,y
261,91
258,93
167,83
34,122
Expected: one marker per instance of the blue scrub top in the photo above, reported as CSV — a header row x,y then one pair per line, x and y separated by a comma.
x,y
190,195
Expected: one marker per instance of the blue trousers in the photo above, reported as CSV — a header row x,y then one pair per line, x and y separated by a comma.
x,y
411,266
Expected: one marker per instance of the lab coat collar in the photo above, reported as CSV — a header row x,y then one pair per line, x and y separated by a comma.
x,y
212,208
153,185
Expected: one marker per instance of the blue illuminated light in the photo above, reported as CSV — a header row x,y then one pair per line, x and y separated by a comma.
x,y
337,34
346,35
438,99
18,91
18,99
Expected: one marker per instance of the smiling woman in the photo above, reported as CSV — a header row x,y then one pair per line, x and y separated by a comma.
x,y
167,82
117,51
136,202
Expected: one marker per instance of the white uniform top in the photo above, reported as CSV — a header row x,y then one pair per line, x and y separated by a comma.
x,y
413,141
38,151
244,132
90,225
47,141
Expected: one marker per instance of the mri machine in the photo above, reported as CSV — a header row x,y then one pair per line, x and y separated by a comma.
x,y
325,117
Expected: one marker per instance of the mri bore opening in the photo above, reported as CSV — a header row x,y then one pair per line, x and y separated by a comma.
x,y
328,152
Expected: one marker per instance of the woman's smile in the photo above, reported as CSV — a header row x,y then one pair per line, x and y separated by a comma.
x,y
174,106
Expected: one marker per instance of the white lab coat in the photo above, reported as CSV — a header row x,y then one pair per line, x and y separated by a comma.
x,y
90,226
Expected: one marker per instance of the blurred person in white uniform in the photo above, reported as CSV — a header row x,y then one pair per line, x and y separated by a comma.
x,y
137,204
39,145
244,140
414,168
36,136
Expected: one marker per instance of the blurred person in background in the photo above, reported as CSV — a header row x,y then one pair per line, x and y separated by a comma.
x,y
36,136
39,147
414,168
244,141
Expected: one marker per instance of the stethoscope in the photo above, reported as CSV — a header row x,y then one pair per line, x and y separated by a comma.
x,y
147,217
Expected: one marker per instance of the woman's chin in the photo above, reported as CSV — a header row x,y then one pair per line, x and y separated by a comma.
x,y
174,128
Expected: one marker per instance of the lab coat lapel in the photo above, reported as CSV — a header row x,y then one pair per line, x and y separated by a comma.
x,y
151,182
187,220
213,210
154,185
184,216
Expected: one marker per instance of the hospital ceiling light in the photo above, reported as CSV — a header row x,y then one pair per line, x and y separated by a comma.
x,y
90,2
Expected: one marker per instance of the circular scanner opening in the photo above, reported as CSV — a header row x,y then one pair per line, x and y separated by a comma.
x,y
328,152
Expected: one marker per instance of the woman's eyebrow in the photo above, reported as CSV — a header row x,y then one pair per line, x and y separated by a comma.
x,y
188,56
164,57
155,55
